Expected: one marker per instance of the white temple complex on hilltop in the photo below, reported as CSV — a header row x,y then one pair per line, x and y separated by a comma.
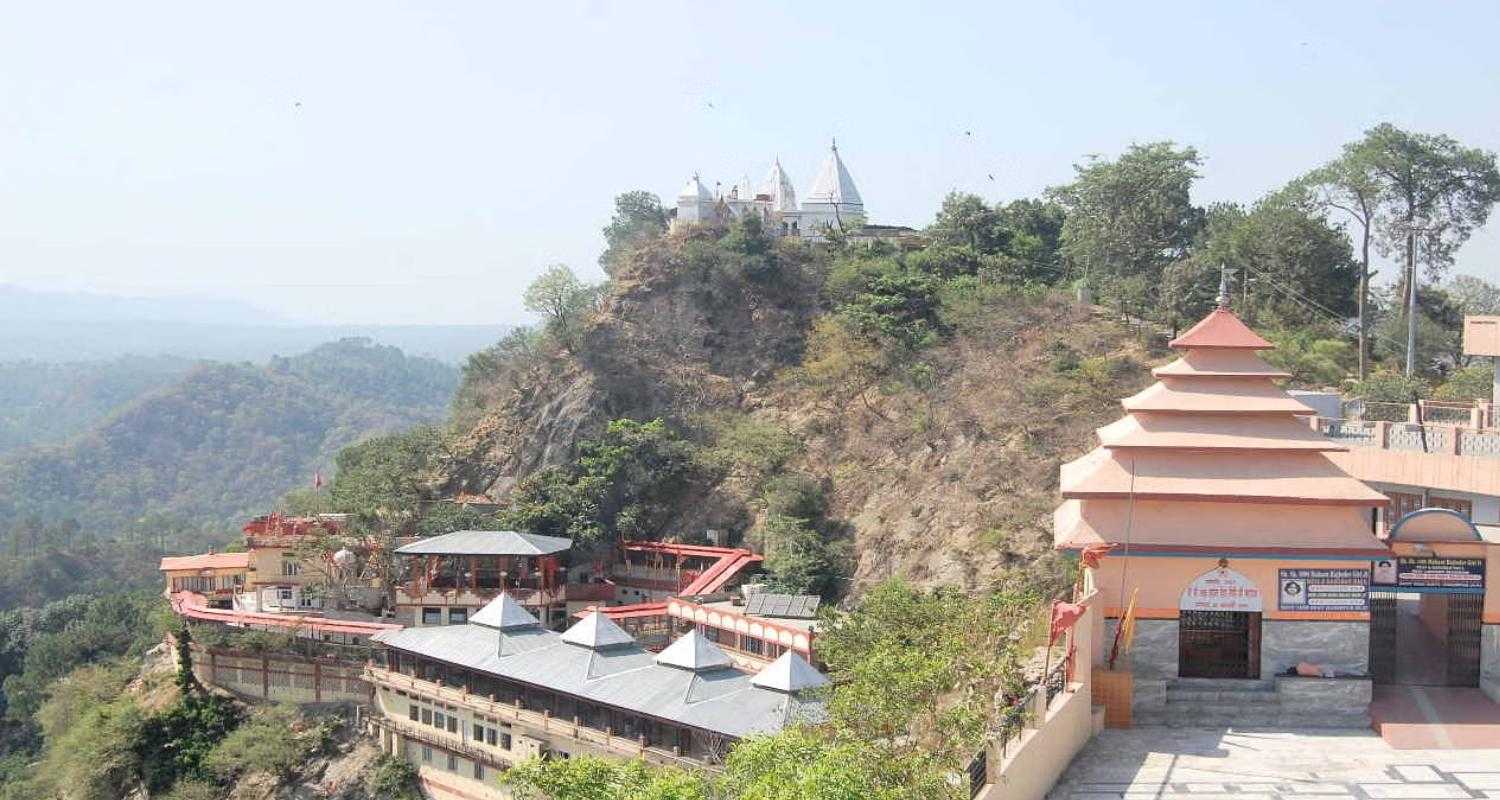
x,y
832,202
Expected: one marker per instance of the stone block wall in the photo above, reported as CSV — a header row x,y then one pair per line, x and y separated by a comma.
x,y
1489,661
1345,646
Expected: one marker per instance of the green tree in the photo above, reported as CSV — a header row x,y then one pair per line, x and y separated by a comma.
x,y
562,300
1127,219
797,558
1299,268
623,483
1474,296
639,217
386,477
1349,185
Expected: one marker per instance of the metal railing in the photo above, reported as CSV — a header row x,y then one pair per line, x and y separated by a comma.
x,y
1424,438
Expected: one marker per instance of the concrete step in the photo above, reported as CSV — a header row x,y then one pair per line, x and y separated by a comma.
x,y
1231,696
1221,684
1273,718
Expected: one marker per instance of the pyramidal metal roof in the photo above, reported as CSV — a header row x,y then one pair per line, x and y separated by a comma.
x,y
789,673
693,652
833,183
487,543
504,613
596,631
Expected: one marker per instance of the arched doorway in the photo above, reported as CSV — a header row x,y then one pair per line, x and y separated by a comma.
x,y
1218,626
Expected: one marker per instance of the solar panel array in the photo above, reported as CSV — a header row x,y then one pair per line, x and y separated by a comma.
x,y
790,606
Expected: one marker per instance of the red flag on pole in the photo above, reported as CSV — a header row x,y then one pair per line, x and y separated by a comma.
x,y
1094,553
1063,617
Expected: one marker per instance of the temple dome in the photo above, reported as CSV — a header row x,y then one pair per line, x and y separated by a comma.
x,y
833,185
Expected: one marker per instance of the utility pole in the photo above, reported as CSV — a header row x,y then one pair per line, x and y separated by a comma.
x,y
1411,300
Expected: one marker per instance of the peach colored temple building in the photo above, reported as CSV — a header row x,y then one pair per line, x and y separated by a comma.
x,y
1248,550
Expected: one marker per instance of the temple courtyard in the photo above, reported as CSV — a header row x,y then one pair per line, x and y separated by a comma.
x,y
1169,763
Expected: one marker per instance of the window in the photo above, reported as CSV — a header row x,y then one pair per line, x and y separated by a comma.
x,y
438,721
505,741
426,716
432,616
427,754
489,738
306,602
452,763
412,712
478,732
458,616
452,724
283,594
478,771
290,568
1463,508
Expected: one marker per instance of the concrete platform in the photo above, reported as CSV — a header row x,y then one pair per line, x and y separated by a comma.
x,y
1168,764
1426,717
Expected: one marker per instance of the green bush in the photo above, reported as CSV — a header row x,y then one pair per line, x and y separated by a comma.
x,y
1470,383
272,741
393,779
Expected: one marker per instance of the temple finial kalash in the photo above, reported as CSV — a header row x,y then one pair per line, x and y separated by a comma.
x,y
1206,497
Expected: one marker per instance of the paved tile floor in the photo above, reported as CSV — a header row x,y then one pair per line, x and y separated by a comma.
x,y
1173,763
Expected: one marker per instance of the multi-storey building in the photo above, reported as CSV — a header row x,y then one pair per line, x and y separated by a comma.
x,y
217,577
449,577
464,702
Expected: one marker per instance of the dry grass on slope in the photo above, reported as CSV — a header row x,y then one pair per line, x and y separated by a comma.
x,y
955,484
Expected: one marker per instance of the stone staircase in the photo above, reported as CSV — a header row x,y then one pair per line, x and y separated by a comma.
x,y
1221,703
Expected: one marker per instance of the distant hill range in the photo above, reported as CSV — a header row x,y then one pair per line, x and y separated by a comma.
x,y
212,442
78,326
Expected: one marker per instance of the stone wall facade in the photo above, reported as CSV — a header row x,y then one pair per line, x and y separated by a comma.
x,y
1489,661
1344,646
281,677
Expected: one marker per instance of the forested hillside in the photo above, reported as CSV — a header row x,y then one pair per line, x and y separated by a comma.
x,y
220,443
46,403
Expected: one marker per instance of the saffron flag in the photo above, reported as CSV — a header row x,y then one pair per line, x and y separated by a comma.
x,y
1063,617
1094,553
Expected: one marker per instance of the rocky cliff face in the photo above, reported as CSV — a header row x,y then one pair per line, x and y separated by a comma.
x,y
948,480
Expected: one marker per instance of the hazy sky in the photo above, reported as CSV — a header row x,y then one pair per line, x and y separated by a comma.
x,y
421,162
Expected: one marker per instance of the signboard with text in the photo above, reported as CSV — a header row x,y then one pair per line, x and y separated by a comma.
x,y
1323,590
1434,574
1221,589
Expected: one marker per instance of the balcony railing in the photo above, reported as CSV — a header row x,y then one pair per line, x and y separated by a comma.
x,y
1425,438
542,721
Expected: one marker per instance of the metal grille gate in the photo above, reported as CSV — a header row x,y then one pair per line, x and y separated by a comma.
x,y
1464,625
1218,644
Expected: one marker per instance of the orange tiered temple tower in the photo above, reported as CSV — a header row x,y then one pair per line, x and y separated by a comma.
x,y
1215,492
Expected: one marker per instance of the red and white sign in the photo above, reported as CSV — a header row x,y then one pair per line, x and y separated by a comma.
x,y
1221,589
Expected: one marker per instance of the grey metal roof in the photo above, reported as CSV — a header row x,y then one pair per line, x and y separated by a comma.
x,y
722,699
595,631
791,606
693,651
487,543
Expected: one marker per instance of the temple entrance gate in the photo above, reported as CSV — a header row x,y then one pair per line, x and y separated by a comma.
x,y
1218,644
1218,626
1425,638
